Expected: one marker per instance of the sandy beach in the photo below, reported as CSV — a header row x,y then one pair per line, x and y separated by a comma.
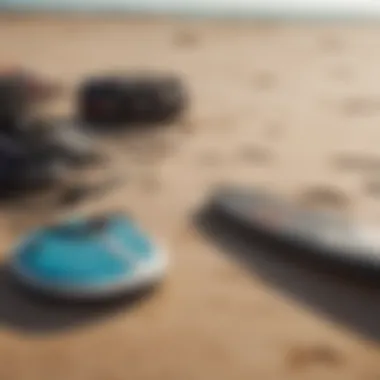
x,y
286,107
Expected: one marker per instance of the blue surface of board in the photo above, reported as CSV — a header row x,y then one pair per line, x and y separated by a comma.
x,y
80,255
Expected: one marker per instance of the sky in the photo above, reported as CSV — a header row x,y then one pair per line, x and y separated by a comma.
x,y
359,7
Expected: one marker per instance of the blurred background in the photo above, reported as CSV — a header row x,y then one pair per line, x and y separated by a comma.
x,y
283,96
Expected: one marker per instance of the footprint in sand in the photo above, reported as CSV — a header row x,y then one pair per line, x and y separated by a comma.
x,y
356,162
324,198
332,44
210,159
186,38
372,187
265,81
299,358
254,154
274,131
342,74
359,106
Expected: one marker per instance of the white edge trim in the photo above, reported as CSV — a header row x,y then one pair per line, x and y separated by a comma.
x,y
149,274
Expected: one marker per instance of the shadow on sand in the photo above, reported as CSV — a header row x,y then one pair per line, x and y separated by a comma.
x,y
32,313
350,301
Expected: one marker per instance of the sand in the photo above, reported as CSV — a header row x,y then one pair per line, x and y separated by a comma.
x,y
290,108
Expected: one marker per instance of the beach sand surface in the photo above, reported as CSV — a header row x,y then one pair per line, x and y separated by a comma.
x,y
292,108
